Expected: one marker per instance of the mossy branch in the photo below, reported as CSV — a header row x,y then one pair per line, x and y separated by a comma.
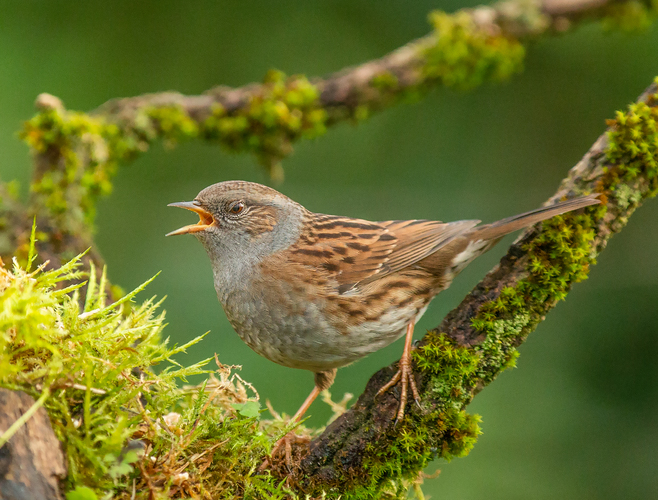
x,y
362,454
76,154
364,449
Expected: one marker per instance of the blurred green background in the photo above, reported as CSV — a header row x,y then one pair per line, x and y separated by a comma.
x,y
578,418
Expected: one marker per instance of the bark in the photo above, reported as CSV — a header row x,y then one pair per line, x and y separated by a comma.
x,y
32,461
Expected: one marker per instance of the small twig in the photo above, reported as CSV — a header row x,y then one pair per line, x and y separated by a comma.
x,y
197,456
273,412
147,479
81,387
337,408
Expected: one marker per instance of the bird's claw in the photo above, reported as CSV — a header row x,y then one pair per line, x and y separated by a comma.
x,y
284,442
405,376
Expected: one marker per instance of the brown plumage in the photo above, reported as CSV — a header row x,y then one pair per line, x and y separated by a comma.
x,y
317,291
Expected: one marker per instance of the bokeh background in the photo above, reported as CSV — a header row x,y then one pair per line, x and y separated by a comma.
x,y
578,418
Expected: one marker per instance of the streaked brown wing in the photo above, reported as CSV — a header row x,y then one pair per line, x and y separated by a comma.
x,y
416,239
355,252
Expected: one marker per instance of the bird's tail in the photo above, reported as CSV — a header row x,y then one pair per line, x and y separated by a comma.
x,y
498,229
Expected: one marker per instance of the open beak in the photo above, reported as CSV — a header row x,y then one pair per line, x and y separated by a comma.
x,y
205,218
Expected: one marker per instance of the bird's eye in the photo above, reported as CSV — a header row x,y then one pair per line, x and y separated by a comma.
x,y
236,208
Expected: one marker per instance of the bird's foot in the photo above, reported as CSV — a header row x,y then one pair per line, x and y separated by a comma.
x,y
405,376
284,444
288,452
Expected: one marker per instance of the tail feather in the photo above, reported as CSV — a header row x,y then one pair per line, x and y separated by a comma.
x,y
502,227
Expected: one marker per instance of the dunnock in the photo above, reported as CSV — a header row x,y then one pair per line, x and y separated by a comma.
x,y
317,291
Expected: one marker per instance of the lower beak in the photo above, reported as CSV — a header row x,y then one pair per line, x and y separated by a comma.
x,y
205,218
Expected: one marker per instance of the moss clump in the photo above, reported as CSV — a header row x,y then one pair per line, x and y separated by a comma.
x,y
123,426
172,123
84,151
450,372
384,80
557,258
441,429
632,151
283,110
449,366
464,56
391,468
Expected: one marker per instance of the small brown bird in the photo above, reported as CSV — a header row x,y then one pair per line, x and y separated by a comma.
x,y
318,292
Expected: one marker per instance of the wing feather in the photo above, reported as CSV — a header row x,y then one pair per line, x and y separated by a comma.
x,y
355,252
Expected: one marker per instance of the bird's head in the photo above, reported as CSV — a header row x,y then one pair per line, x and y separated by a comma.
x,y
245,217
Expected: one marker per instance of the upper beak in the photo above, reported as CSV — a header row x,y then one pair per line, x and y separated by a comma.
x,y
205,218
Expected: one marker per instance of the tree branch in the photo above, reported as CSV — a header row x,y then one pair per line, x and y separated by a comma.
x,y
350,93
76,154
364,448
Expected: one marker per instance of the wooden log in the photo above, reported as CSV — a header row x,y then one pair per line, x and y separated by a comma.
x,y
32,461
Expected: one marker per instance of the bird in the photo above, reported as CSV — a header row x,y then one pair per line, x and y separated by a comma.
x,y
318,292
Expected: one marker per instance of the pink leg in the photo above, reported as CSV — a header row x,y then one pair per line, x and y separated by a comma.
x,y
404,375
307,404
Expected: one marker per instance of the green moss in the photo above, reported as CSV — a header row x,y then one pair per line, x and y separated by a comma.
x,y
626,196
460,433
457,54
107,378
557,258
283,110
384,80
632,151
392,467
173,123
441,430
82,152
497,350
465,56
449,366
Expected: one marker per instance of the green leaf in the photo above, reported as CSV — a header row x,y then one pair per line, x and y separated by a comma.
x,y
81,493
250,409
